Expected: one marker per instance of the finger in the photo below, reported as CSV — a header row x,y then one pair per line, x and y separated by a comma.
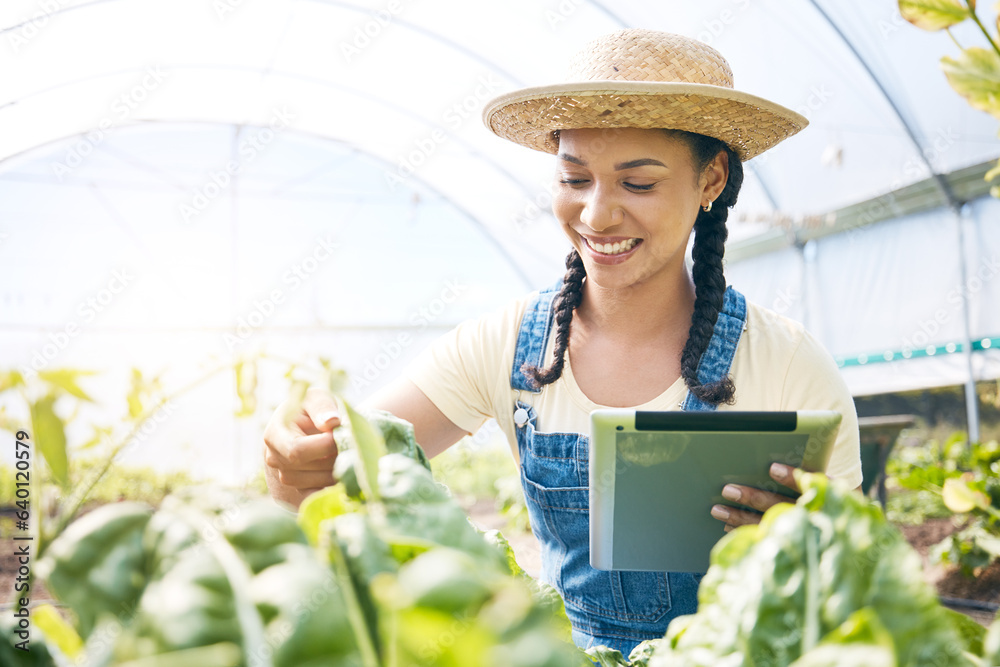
x,y
308,452
278,461
288,448
757,499
322,410
785,474
734,516
306,480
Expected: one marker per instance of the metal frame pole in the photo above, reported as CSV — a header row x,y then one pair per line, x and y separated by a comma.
x,y
971,397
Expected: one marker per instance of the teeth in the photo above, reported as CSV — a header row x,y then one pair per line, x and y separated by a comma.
x,y
613,248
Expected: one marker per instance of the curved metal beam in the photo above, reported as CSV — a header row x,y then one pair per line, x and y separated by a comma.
x,y
939,179
349,7
401,110
477,224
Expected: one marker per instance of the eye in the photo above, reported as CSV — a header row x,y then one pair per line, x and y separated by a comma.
x,y
639,188
574,182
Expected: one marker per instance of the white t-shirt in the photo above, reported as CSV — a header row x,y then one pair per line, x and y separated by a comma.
x,y
778,366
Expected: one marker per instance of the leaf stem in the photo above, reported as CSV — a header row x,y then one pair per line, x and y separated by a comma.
x,y
948,30
355,614
255,651
986,32
810,633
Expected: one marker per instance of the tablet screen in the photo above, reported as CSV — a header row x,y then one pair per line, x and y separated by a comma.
x,y
655,476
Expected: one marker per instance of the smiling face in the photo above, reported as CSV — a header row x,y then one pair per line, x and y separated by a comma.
x,y
628,200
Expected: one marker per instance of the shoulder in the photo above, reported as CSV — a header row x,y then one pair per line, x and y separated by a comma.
x,y
492,334
772,336
782,349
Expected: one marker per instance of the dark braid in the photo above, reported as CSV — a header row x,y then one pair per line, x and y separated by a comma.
x,y
710,284
567,300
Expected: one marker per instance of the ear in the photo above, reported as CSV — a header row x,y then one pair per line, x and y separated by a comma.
x,y
714,178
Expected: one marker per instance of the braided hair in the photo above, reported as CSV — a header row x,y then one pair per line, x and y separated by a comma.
x,y
710,234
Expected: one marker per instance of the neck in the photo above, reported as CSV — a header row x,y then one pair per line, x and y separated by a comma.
x,y
650,310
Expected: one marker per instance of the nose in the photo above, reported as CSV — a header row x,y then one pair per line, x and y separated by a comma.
x,y
601,209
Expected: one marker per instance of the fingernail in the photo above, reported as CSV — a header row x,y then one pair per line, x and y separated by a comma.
x,y
731,493
720,512
779,471
327,417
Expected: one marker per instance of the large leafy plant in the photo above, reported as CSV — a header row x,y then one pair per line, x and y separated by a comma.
x,y
975,73
382,569
827,582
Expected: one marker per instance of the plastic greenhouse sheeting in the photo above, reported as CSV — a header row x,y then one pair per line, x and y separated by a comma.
x,y
186,179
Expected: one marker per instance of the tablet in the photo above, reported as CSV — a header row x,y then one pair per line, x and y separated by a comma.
x,y
654,477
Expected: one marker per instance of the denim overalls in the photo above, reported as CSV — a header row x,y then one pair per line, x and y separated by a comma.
x,y
618,609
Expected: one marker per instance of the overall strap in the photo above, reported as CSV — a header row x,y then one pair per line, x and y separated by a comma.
x,y
533,337
718,357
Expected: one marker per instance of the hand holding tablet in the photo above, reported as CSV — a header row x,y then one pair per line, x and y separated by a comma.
x,y
757,499
656,476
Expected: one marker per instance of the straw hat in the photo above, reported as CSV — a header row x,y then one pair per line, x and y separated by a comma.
x,y
644,79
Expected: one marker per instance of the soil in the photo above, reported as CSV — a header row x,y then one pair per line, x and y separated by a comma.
x,y
949,581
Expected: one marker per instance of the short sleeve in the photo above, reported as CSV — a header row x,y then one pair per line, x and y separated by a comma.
x,y
467,371
813,382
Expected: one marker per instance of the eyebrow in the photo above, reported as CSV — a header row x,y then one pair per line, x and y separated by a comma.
x,y
642,162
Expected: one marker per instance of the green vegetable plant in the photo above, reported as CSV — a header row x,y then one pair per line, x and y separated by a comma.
x,y
825,582
975,73
974,497
961,480
382,569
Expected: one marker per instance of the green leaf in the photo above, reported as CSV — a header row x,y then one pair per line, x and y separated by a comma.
x,y
970,631
363,634
223,654
140,393
975,75
101,434
96,565
134,397
991,643
322,505
606,657
432,637
960,498
65,379
50,437
56,630
370,446
992,173
246,387
933,14
10,379
335,379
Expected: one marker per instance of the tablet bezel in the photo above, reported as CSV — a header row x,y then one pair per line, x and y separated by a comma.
x,y
607,424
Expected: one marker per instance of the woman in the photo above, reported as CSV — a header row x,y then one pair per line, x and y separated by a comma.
x,y
650,140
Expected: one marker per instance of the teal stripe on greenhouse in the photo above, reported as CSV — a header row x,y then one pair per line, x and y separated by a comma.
x,y
929,351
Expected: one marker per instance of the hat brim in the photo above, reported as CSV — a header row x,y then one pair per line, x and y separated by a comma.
x,y
748,124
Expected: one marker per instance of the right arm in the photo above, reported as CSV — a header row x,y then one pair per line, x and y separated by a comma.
x,y
299,449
